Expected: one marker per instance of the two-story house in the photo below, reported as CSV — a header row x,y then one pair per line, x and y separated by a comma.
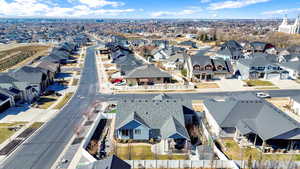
x,y
261,66
202,67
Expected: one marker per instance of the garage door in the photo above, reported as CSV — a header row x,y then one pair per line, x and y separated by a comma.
x,y
4,106
273,76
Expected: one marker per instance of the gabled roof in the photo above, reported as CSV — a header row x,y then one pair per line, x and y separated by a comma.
x,y
259,59
231,44
28,74
291,65
6,78
252,116
112,162
154,114
173,126
52,67
200,59
147,71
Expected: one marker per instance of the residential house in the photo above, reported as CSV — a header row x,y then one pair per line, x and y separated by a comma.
x,y
261,66
160,54
229,54
175,62
188,44
249,121
35,76
293,69
147,75
202,67
21,90
5,102
161,119
295,49
112,162
253,47
295,104
231,44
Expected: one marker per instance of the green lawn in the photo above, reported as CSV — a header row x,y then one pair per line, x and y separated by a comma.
x,y
113,111
258,83
66,98
143,152
5,133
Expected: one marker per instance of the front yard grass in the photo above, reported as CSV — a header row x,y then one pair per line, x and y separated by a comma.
x,y
5,132
207,86
66,98
143,152
113,111
235,152
45,102
258,83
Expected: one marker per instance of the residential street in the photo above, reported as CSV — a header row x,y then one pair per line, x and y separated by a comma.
x,y
42,149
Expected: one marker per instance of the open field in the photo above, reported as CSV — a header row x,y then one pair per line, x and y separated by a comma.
x,y
143,152
21,55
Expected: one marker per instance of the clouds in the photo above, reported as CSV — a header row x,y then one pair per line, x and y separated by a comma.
x,y
101,3
189,11
42,8
234,4
281,11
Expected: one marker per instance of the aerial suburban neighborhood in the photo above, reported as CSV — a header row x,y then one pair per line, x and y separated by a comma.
x,y
100,85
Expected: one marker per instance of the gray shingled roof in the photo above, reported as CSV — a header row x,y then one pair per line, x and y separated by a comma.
x,y
113,162
252,116
200,59
155,114
291,65
28,74
259,59
147,71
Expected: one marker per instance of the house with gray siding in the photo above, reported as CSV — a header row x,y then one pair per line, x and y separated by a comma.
x,y
161,119
21,90
147,75
249,121
261,66
202,67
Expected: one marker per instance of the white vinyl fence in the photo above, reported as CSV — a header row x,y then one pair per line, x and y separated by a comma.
x,y
156,87
157,164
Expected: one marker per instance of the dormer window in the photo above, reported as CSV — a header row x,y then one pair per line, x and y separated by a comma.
x,y
208,67
220,67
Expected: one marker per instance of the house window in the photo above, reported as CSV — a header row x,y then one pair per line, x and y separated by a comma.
x,y
158,78
125,132
137,131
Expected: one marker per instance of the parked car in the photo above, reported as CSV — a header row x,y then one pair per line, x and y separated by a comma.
x,y
263,95
121,83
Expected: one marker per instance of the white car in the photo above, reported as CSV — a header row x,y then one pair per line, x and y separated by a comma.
x,y
263,95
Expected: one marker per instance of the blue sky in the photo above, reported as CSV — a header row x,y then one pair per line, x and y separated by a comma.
x,y
195,9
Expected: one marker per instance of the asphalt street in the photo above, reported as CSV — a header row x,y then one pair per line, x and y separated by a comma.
x,y
42,150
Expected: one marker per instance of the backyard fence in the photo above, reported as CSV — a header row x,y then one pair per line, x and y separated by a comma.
x,y
157,87
157,164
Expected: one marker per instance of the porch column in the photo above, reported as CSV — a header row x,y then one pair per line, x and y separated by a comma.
x,y
255,139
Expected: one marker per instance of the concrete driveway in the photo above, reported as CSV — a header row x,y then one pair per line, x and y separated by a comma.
x,y
286,84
